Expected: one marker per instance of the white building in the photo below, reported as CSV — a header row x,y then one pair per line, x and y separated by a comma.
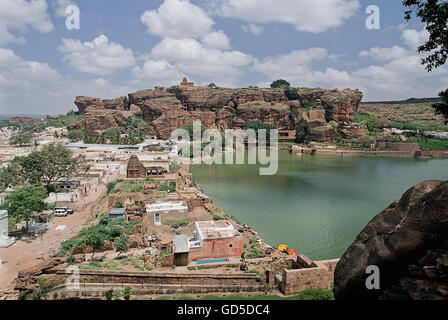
x,y
167,211
5,240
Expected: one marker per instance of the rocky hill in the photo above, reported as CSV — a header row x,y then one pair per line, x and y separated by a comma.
x,y
168,109
408,241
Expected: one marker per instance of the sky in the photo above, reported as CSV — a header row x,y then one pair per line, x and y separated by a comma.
x,y
125,46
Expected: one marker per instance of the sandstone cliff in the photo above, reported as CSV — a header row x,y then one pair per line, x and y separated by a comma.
x,y
408,241
167,110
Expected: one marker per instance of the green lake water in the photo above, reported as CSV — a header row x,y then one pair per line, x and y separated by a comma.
x,y
315,204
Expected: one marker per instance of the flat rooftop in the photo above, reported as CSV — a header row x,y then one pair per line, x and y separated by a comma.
x,y
166,206
216,229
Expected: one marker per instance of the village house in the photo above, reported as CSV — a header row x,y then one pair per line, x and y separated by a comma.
x,y
159,213
215,240
117,213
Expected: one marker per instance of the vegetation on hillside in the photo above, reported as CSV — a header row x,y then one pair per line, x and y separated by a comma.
x,y
53,163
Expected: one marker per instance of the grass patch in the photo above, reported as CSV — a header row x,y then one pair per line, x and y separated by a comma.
x,y
428,144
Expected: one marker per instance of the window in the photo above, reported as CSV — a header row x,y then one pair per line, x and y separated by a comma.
x,y
231,245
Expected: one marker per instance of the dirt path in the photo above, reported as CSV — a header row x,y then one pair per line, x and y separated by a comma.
x,y
31,250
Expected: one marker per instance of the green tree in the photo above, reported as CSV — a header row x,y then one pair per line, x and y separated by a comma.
x,y
302,131
433,13
280,84
257,125
53,163
21,139
9,176
211,85
372,123
76,135
112,135
292,93
21,203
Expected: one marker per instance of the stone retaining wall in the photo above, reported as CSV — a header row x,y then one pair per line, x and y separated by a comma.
x,y
96,282
365,153
320,277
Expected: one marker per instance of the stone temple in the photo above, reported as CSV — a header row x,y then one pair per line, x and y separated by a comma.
x,y
5,240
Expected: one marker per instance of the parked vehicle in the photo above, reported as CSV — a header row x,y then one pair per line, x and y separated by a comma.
x,y
70,211
61,211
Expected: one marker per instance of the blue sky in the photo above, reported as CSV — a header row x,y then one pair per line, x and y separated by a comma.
x,y
124,46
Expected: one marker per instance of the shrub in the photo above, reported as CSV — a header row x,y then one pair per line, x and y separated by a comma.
x,y
121,243
109,294
178,224
127,293
302,131
315,294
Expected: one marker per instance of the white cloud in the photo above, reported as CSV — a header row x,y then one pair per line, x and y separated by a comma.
x,y
414,38
160,72
292,65
99,57
397,74
16,69
60,6
252,28
216,40
35,87
7,37
385,54
177,19
306,15
21,14
190,56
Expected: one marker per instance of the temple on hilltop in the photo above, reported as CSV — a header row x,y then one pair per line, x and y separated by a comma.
x,y
185,84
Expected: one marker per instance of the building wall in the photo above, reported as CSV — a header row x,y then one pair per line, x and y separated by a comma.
x,y
3,223
218,248
165,218
63,197
298,280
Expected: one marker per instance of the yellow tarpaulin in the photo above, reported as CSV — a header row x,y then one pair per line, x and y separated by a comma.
x,y
282,247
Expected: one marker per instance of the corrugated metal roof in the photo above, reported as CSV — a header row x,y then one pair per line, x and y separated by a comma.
x,y
116,211
180,244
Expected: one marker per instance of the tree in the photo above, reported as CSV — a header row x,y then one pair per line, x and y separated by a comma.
x,y
441,108
76,135
434,13
21,139
9,176
372,123
280,84
112,135
259,125
291,93
302,131
53,163
21,203
211,85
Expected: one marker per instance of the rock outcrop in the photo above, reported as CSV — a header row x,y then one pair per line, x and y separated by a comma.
x,y
21,121
220,108
27,279
408,241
